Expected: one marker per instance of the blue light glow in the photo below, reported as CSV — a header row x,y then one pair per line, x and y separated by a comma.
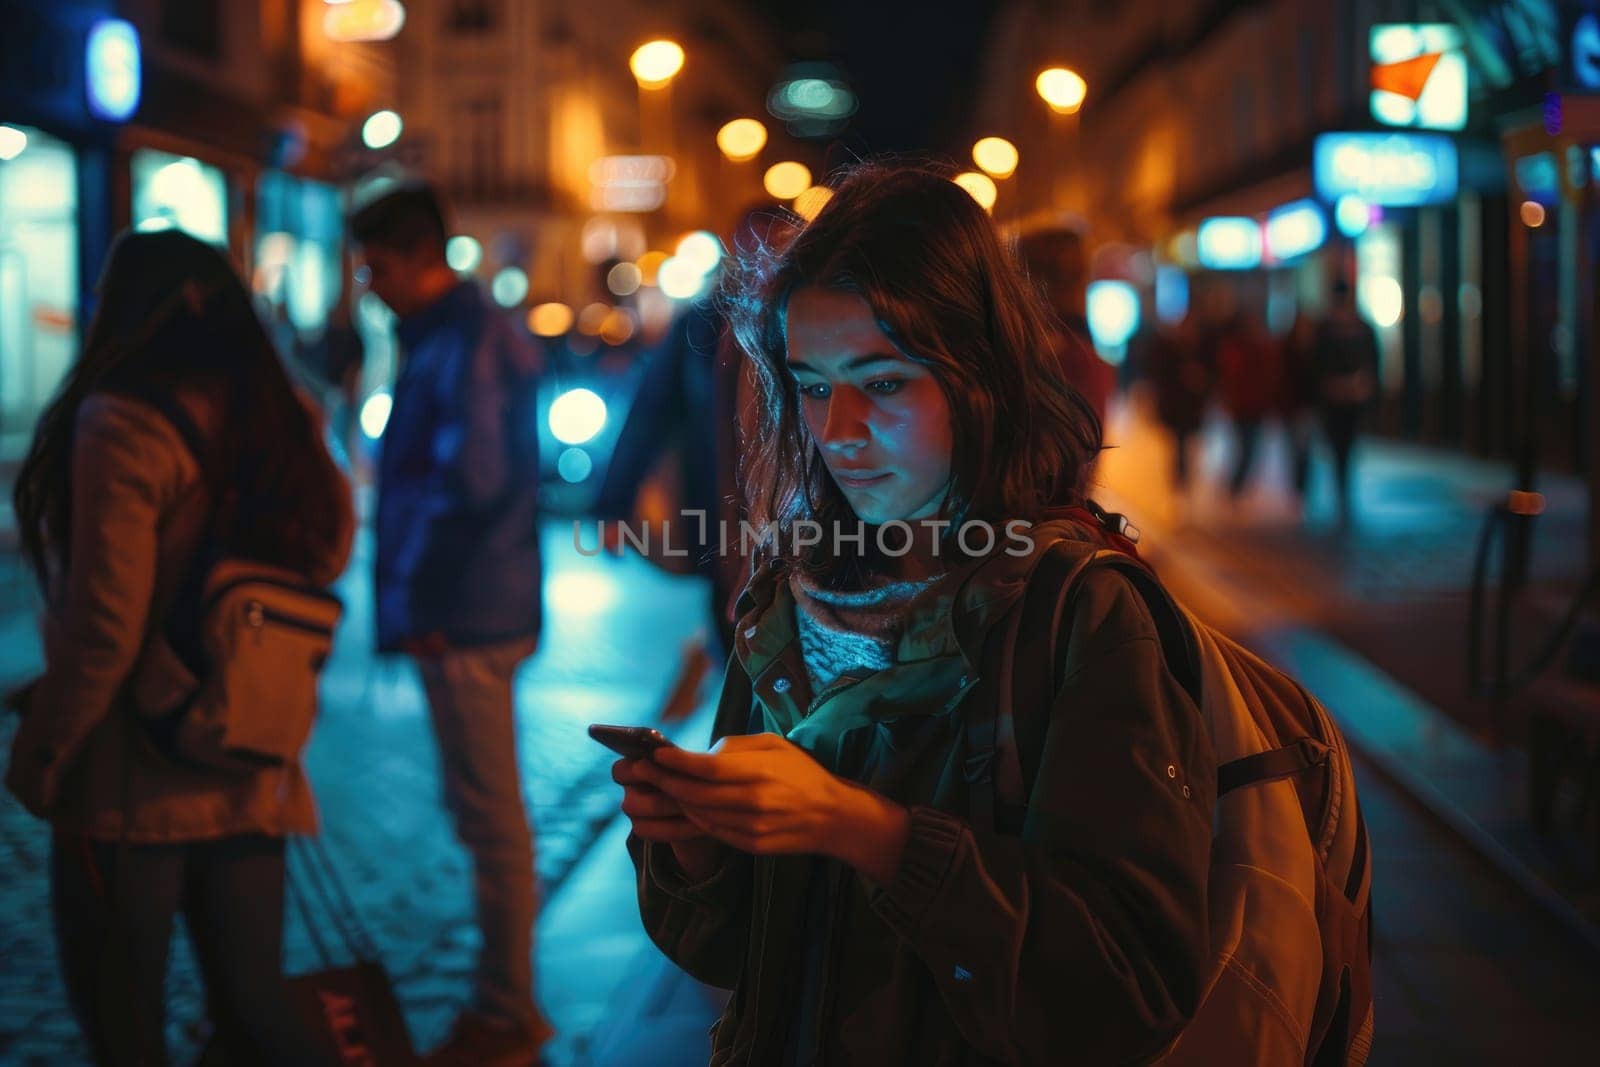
x,y
1229,243
1295,229
577,415
1352,215
112,66
1113,313
1394,169
574,465
1172,294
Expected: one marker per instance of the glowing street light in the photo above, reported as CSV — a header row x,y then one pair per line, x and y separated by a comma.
x,y
996,155
655,63
550,320
742,139
12,142
1062,89
382,129
980,186
363,20
809,204
787,180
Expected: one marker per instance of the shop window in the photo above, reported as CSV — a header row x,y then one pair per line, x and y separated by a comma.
x,y
38,277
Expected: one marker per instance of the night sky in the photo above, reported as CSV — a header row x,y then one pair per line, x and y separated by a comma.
x,y
912,64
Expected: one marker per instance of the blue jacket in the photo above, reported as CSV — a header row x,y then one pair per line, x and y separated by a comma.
x,y
458,480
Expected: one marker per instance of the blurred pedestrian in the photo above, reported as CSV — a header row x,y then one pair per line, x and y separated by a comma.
x,y
695,396
1182,372
830,858
118,512
1298,404
1055,260
1249,374
458,581
1345,355
341,357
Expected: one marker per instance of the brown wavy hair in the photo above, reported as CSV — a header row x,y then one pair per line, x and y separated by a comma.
x,y
173,314
929,262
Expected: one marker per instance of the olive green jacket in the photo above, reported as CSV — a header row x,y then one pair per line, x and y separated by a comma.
x,y
1083,940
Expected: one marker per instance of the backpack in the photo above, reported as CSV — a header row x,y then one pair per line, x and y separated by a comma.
x,y
1291,972
233,686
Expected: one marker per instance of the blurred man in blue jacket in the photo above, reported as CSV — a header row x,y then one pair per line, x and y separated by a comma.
x,y
458,579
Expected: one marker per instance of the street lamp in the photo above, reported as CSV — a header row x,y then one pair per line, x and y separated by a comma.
x,y
382,129
996,155
656,63
979,186
1062,89
363,20
742,139
787,180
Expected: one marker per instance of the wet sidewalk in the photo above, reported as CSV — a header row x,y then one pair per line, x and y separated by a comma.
x,y
613,638
1486,944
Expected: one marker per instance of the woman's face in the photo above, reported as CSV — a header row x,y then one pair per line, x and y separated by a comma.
x,y
880,420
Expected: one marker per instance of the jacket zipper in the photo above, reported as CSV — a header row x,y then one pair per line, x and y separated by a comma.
x,y
830,957
258,614
294,587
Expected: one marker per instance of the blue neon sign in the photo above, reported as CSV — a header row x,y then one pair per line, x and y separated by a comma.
x,y
112,65
1392,169
1229,243
1295,229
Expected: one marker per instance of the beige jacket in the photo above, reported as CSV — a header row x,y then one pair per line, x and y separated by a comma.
x,y
139,509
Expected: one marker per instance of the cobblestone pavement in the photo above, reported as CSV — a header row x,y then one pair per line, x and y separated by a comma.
x,y
611,646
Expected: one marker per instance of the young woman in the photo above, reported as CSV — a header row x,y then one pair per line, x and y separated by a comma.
x,y
113,508
821,860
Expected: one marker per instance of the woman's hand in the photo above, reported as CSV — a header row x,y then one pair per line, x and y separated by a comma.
x,y
658,818
764,795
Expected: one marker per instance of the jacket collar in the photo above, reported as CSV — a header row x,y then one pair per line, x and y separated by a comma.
x,y
955,623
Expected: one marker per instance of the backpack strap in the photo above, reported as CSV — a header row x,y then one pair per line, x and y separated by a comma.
x,y
1004,748
997,754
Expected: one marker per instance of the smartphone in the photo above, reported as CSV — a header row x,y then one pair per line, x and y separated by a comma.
x,y
634,742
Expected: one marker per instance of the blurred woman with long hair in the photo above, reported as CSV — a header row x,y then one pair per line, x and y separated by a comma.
x,y
114,510
848,859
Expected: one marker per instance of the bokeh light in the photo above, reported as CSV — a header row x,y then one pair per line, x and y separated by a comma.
x,y
980,186
363,20
681,279
650,267
1532,213
463,253
624,279
550,320
12,142
618,327
1062,89
809,204
592,317
655,63
375,414
701,248
787,180
382,129
996,156
577,415
1351,214
510,287
742,139
574,465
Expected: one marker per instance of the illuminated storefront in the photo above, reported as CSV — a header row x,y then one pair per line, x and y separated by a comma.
x,y
38,276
